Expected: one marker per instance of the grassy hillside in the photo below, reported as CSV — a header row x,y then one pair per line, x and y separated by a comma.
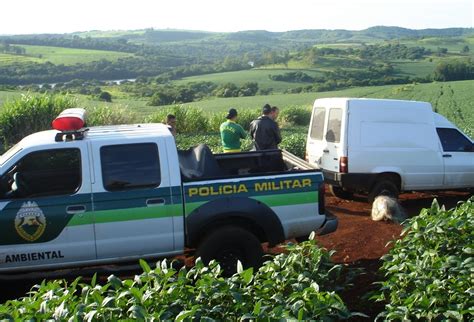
x,y
60,55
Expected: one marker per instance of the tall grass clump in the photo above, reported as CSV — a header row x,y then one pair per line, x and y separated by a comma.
x,y
295,115
188,119
429,273
300,284
30,113
105,115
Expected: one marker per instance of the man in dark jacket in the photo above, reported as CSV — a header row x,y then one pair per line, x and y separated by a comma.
x,y
264,131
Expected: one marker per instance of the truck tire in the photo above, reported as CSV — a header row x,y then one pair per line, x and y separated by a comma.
x,y
383,187
340,193
227,244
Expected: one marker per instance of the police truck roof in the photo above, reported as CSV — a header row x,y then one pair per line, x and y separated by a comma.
x,y
111,132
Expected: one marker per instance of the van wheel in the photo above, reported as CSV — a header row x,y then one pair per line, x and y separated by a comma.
x,y
383,188
228,244
340,193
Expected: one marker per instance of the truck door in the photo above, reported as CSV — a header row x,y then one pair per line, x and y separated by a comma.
x,y
132,200
458,156
45,209
333,149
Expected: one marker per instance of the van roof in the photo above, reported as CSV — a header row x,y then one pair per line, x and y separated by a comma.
x,y
367,102
111,132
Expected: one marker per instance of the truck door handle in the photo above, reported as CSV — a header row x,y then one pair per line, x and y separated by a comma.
x,y
153,202
76,209
326,151
447,155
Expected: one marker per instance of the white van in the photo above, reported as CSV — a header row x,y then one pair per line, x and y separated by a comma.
x,y
380,146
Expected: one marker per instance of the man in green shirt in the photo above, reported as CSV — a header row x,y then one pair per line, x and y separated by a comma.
x,y
231,133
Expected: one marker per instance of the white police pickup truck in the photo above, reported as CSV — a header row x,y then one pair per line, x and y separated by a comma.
x,y
119,193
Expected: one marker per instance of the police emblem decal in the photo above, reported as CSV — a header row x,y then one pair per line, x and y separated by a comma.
x,y
30,221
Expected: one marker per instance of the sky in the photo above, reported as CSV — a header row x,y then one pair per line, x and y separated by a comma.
x,y
65,16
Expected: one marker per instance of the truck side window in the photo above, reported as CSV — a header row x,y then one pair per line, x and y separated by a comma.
x,y
453,141
317,127
44,173
130,166
333,133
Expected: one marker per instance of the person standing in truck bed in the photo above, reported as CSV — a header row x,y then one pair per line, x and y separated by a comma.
x,y
264,131
231,133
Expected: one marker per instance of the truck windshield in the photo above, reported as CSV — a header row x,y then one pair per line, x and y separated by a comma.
x,y
9,154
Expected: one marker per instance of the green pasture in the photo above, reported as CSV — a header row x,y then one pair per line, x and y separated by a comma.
x,y
411,68
453,44
261,76
64,56
8,59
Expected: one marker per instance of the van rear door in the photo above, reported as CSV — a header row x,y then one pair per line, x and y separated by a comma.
x,y
315,141
333,148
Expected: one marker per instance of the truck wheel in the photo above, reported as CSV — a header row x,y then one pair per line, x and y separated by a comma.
x,y
340,193
227,245
383,188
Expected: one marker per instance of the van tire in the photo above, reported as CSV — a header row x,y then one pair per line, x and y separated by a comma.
x,y
383,187
340,193
227,244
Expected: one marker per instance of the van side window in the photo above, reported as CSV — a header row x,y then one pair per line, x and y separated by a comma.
x,y
333,133
453,141
43,173
317,127
130,166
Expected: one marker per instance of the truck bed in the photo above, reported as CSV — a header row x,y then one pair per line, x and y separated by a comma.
x,y
200,164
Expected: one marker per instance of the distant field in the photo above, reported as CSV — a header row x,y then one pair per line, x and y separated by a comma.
x,y
455,100
8,95
109,34
261,76
7,59
61,55
415,68
453,44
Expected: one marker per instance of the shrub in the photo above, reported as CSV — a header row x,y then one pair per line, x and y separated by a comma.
x,y
29,114
429,272
296,285
294,143
105,96
294,115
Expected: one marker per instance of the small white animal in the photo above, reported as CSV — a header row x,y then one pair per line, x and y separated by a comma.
x,y
387,208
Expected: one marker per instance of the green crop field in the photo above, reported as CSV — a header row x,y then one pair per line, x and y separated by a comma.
x,y
455,100
60,55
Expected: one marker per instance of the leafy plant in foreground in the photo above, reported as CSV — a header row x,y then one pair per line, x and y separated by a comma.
x,y
429,273
299,284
